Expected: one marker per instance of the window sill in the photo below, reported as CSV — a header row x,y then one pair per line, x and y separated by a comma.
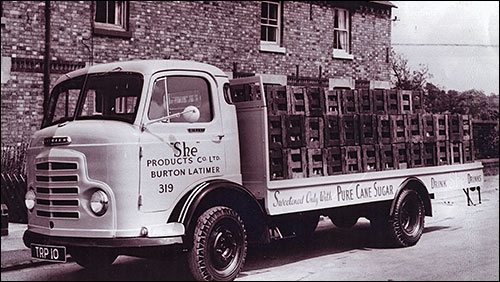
x,y
342,55
112,32
272,48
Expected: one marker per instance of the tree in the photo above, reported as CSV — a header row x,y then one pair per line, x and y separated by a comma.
x,y
403,77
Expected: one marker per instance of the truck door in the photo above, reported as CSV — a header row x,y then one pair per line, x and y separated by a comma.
x,y
176,153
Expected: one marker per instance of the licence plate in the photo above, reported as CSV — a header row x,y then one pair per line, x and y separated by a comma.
x,y
50,253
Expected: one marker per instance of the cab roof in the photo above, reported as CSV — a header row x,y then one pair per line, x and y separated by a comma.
x,y
146,67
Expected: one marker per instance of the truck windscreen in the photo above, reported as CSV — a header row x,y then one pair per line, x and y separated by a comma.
x,y
108,96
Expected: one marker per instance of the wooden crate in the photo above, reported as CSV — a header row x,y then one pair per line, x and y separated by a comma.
x,y
276,125
349,102
402,155
332,131
386,156
294,131
456,152
384,130
368,129
405,102
429,154
296,162
334,160
443,152
245,93
314,131
317,164
467,127
392,101
429,128
415,128
379,102
441,127
315,101
297,100
399,129
416,154
417,102
349,130
351,159
277,165
370,158
277,99
365,101
468,150
332,102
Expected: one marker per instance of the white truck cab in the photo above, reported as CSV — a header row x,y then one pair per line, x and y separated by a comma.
x,y
154,153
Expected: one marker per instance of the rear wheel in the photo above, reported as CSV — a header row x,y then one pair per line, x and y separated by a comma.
x,y
219,245
93,258
405,226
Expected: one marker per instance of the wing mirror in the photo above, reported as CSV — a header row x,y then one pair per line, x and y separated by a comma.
x,y
190,114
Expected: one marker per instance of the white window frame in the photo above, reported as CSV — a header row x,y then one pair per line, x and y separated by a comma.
x,y
272,46
120,22
342,53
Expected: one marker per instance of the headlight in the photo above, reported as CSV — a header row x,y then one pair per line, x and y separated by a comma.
x,y
99,202
29,199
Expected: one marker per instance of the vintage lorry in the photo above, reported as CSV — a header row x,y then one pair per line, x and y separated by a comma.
x,y
146,154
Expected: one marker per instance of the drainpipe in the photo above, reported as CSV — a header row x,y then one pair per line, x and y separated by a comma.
x,y
46,59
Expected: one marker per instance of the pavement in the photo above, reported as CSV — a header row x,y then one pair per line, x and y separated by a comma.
x,y
15,255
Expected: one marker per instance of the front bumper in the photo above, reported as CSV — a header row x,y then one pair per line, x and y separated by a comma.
x,y
30,237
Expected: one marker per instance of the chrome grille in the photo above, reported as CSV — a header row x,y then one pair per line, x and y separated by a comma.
x,y
55,198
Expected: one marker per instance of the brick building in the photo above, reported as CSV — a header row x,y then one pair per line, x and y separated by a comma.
x,y
344,42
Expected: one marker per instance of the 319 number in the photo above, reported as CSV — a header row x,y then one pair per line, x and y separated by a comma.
x,y
166,188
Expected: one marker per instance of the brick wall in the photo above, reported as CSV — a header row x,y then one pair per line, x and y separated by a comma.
x,y
219,33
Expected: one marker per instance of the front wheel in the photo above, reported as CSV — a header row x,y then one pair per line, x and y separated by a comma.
x,y
93,258
219,245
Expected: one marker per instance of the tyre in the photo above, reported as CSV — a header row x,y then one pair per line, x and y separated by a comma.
x,y
344,221
93,258
404,228
219,245
408,218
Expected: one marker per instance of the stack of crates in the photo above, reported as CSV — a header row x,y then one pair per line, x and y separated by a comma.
x,y
316,131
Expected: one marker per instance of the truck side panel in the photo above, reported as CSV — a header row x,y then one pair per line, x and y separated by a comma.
x,y
335,191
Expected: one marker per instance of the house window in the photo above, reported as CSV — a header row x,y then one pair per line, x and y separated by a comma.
x,y
270,26
111,18
341,34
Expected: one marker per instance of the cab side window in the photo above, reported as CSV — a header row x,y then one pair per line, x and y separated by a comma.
x,y
173,94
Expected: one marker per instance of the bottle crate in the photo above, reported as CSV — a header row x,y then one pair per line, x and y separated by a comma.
x,y
443,152
392,101
277,165
467,127
417,102
314,131
277,99
333,102
415,128
349,102
441,127
386,156
429,154
315,101
429,128
297,100
384,130
296,162
399,129
276,125
351,159
402,155
317,164
379,102
368,129
332,131
349,130
405,102
416,154
456,152
294,131
370,158
334,160
365,100
468,151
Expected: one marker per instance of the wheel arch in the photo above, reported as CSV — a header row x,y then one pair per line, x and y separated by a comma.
x,y
221,193
417,185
